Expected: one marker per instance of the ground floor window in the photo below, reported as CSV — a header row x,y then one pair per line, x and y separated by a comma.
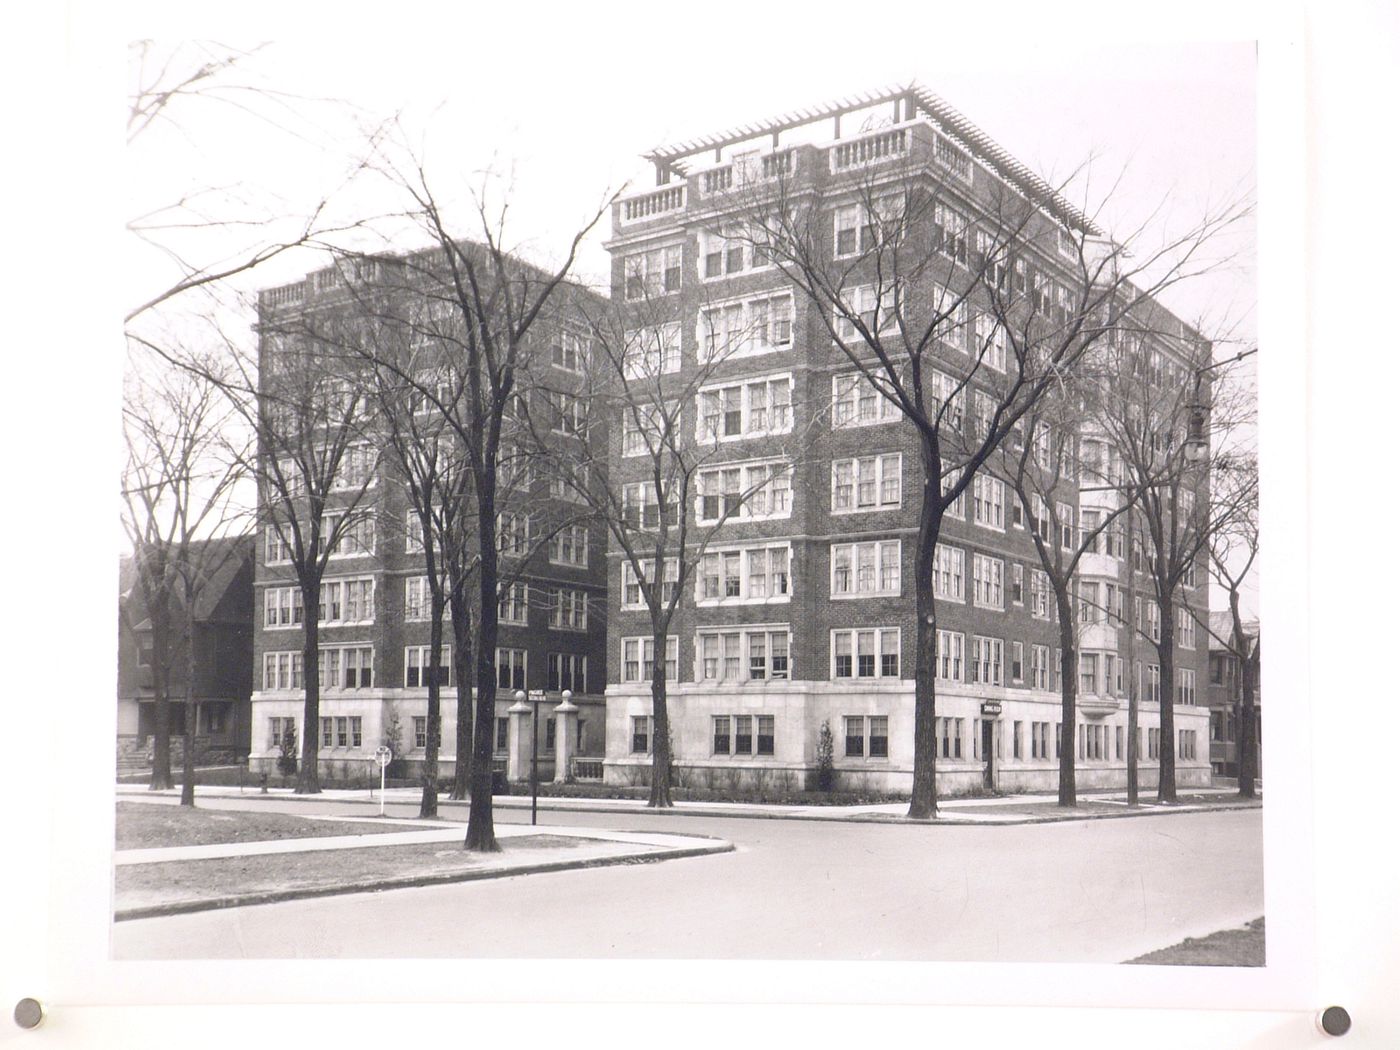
x,y
1016,749
502,733
1154,744
420,731
742,734
1118,742
1187,743
281,730
641,734
341,731
866,735
949,738
1093,742
568,671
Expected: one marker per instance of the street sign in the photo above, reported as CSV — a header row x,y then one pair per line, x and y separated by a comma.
x,y
383,755
536,695
991,708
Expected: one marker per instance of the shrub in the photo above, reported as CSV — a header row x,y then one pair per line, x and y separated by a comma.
x,y
287,760
826,763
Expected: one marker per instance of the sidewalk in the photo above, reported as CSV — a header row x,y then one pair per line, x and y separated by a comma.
x,y
951,811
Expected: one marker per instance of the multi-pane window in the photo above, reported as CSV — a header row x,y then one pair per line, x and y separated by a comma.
x,y
865,653
568,350
751,408
1018,583
417,663
342,731
280,730
949,659
730,251
569,481
653,272
1090,608
988,502
878,310
420,732
991,341
948,737
641,734
417,598
984,665
356,469
866,483
1040,740
958,508
752,574
347,667
1017,660
745,328
651,351
568,413
742,734
867,736
641,509
632,596
948,572
857,401
277,548
987,580
949,232
868,224
1040,667
865,569
569,546
347,601
1041,605
514,606
282,670
952,312
1186,743
570,611
1185,628
637,659
568,671
510,668
1154,743
1088,672
1152,686
282,607
948,399
1185,685
745,490
356,538
643,428
513,534
754,653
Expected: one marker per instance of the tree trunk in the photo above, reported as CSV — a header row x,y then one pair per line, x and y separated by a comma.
x,y
1069,692
160,751
1248,734
462,672
309,773
923,798
1166,720
481,830
428,807
660,797
191,707
1132,737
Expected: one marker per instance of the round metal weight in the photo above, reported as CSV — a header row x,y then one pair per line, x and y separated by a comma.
x,y
29,1013
1334,1021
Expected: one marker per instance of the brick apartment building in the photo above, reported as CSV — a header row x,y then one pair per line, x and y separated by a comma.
x,y
804,614
374,656
1223,696
223,651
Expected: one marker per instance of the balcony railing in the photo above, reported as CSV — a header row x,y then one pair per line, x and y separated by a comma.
x,y
588,769
285,295
868,149
654,203
717,180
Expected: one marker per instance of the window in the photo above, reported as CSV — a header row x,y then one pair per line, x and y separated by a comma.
x,y
637,656
341,731
1018,583
417,598
569,481
420,732
857,401
1153,691
953,323
735,734
570,610
1040,740
417,663
732,250
502,733
356,469
949,232
866,483
276,548
1088,672
747,575
1041,606
1186,747
948,564
948,662
356,538
568,671
1040,667
569,546
347,667
282,607
985,665
1185,685
513,534
641,734
1185,629
282,670
949,398
988,502
641,509
753,654
744,328
754,491
654,272
867,736
1017,658
643,428
865,653
1065,514
568,414
1153,743
865,569
948,735
991,342
568,350
632,596
347,601
1090,609
281,730
855,736
1017,747
510,668
863,226
752,408
987,575
958,508
651,351
878,311
514,606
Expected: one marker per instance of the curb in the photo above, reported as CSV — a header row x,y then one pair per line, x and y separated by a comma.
x,y
151,911
858,818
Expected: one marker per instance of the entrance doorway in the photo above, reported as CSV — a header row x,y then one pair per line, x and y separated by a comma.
x,y
989,778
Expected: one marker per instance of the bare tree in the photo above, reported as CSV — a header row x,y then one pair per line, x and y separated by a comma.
x,y
895,271
183,469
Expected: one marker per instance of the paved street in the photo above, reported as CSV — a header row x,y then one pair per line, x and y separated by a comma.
x,y
1090,891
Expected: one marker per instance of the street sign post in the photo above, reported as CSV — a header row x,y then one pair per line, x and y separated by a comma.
x,y
536,698
383,755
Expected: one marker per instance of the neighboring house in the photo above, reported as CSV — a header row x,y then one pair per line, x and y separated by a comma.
x,y
804,614
223,653
375,634
1223,695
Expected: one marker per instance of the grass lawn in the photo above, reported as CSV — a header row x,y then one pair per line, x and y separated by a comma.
x,y
147,825
140,885
1239,947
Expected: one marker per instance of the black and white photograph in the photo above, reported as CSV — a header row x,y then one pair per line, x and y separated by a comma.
x,y
592,496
